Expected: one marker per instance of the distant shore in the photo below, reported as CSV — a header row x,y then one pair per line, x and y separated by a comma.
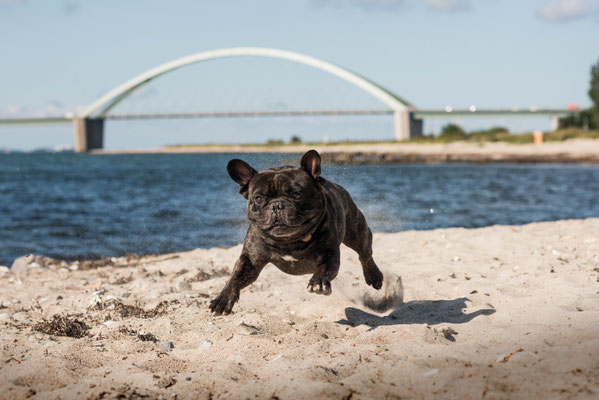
x,y
570,151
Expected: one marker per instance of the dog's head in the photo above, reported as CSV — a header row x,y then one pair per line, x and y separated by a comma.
x,y
285,203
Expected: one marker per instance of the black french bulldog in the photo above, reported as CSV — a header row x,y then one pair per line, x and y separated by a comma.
x,y
298,220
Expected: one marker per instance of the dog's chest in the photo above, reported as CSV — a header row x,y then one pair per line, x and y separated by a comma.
x,y
296,264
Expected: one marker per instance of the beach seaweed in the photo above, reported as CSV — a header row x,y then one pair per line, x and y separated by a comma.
x,y
202,275
129,311
63,326
144,337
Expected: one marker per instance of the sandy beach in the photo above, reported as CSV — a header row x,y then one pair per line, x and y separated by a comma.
x,y
569,151
497,312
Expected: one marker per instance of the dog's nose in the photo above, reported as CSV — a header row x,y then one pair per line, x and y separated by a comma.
x,y
278,206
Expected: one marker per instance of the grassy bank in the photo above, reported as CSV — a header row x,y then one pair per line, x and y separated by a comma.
x,y
490,135
502,135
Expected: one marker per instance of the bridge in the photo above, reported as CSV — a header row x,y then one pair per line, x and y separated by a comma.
x,y
89,124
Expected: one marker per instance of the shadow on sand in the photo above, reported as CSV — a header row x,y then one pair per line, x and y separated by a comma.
x,y
429,312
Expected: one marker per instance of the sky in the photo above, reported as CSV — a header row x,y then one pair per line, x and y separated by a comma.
x,y
59,55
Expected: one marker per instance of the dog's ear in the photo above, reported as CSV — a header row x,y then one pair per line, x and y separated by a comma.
x,y
241,172
311,163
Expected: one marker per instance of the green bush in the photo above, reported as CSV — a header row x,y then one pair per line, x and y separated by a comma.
x,y
583,119
295,139
594,95
452,132
572,133
494,134
521,138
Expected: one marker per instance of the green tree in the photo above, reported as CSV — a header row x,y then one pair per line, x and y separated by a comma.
x,y
594,91
489,135
587,119
452,132
295,139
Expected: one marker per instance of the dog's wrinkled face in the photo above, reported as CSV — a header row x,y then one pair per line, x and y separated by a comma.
x,y
285,203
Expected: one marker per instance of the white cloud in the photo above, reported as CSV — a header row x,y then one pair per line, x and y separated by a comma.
x,y
563,10
70,6
14,110
11,2
448,5
53,108
386,5
377,3
368,5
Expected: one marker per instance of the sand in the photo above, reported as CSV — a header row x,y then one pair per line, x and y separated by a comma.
x,y
574,150
497,312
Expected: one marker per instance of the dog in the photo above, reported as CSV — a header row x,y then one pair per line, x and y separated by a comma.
x,y
297,221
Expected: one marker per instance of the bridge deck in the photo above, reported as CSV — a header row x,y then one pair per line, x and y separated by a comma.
x,y
247,114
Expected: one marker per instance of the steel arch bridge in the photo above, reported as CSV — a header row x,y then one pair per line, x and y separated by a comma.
x,y
89,124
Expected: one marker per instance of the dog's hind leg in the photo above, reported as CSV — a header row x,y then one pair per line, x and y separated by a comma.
x,y
358,237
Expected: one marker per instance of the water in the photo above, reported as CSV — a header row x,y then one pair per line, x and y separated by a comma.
x,y
72,205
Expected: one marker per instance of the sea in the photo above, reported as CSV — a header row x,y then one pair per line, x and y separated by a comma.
x,y
76,206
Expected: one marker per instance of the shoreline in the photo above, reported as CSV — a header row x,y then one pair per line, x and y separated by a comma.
x,y
585,151
499,311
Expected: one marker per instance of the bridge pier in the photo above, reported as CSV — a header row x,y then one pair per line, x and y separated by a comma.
x,y
554,123
401,124
406,126
89,134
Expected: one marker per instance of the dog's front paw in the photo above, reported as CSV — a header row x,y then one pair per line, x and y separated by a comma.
x,y
319,285
222,304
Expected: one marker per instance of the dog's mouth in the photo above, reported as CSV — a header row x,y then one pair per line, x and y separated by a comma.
x,y
278,225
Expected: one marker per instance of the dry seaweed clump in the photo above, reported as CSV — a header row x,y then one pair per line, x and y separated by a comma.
x,y
147,337
144,337
63,326
127,393
448,334
202,275
118,309
128,311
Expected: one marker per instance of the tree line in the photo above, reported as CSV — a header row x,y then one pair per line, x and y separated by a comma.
x,y
587,118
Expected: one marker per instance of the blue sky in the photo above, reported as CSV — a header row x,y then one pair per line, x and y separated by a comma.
x,y
58,56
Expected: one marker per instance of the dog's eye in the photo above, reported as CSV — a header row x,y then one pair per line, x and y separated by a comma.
x,y
296,195
258,199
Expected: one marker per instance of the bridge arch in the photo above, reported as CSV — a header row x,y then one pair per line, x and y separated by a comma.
x,y
114,96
